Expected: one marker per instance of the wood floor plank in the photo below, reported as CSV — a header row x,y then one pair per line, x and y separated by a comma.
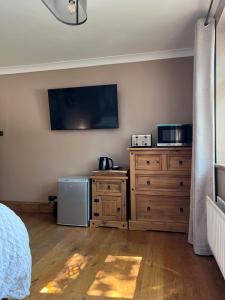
x,y
111,264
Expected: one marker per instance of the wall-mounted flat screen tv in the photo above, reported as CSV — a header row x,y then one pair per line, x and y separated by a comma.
x,y
92,107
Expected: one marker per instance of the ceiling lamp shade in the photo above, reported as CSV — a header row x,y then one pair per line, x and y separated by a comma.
x,y
71,12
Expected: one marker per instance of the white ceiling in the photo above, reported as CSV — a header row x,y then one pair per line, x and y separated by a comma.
x,y
30,34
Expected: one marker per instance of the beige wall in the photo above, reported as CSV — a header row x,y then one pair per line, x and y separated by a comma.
x,y
33,157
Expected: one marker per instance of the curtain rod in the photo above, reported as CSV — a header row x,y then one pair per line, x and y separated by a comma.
x,y
208,14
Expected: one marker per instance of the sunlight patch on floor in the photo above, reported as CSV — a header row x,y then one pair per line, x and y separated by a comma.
x,y
118,277
71,271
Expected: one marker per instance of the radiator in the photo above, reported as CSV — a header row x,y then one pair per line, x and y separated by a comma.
x,y
216,230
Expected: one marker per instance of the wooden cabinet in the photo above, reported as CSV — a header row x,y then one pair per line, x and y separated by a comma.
x,y
160,188
109,199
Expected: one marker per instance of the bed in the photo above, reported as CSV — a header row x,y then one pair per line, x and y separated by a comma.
x,y
15,256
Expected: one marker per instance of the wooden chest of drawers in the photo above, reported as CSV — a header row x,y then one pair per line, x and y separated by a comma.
x,y
109,199
160,188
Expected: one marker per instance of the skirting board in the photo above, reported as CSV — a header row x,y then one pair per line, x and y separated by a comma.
x,y
29,207
158,226
113,224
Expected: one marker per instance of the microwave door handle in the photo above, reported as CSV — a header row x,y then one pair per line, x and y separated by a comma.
x,y
180,136
177,135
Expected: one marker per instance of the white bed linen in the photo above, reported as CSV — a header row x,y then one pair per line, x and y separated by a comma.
x,y
15,257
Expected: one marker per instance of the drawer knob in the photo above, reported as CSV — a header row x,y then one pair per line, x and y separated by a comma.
x,y
148,162
148,182
96,200
118,209
180,162
96,214
157,161
181,209
148,208
181,183
108,187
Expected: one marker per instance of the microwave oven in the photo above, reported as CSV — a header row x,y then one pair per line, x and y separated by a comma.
x,y
174,135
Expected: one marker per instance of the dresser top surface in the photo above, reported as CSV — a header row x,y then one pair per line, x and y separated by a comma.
x,y
120,172
159,148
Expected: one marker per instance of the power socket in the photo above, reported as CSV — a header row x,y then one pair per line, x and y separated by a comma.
x,y
52,198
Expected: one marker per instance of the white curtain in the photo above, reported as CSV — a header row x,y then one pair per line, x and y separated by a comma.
x,y
203,155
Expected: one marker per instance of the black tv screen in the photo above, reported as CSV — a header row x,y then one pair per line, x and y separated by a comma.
x,y
92,107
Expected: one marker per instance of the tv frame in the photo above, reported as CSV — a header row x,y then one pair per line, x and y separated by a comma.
x,y
91,128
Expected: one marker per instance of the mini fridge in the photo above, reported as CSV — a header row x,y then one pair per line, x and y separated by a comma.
x,y
73,201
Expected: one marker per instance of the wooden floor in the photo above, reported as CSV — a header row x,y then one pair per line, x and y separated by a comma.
x,y
112,264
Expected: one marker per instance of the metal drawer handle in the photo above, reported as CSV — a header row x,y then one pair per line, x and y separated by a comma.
x,y
181,209
181,183
108,187
96,214
148,208
118,209
96,200
148,162
180,162
148,182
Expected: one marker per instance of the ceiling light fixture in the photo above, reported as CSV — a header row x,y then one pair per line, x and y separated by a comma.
x,y
71,12
72,7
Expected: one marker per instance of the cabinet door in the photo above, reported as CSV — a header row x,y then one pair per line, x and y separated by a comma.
x,y
107,208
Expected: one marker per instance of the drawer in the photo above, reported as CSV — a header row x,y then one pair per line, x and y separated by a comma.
x,y
108,186
107,208
148,162
162,208
178,163
144,182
